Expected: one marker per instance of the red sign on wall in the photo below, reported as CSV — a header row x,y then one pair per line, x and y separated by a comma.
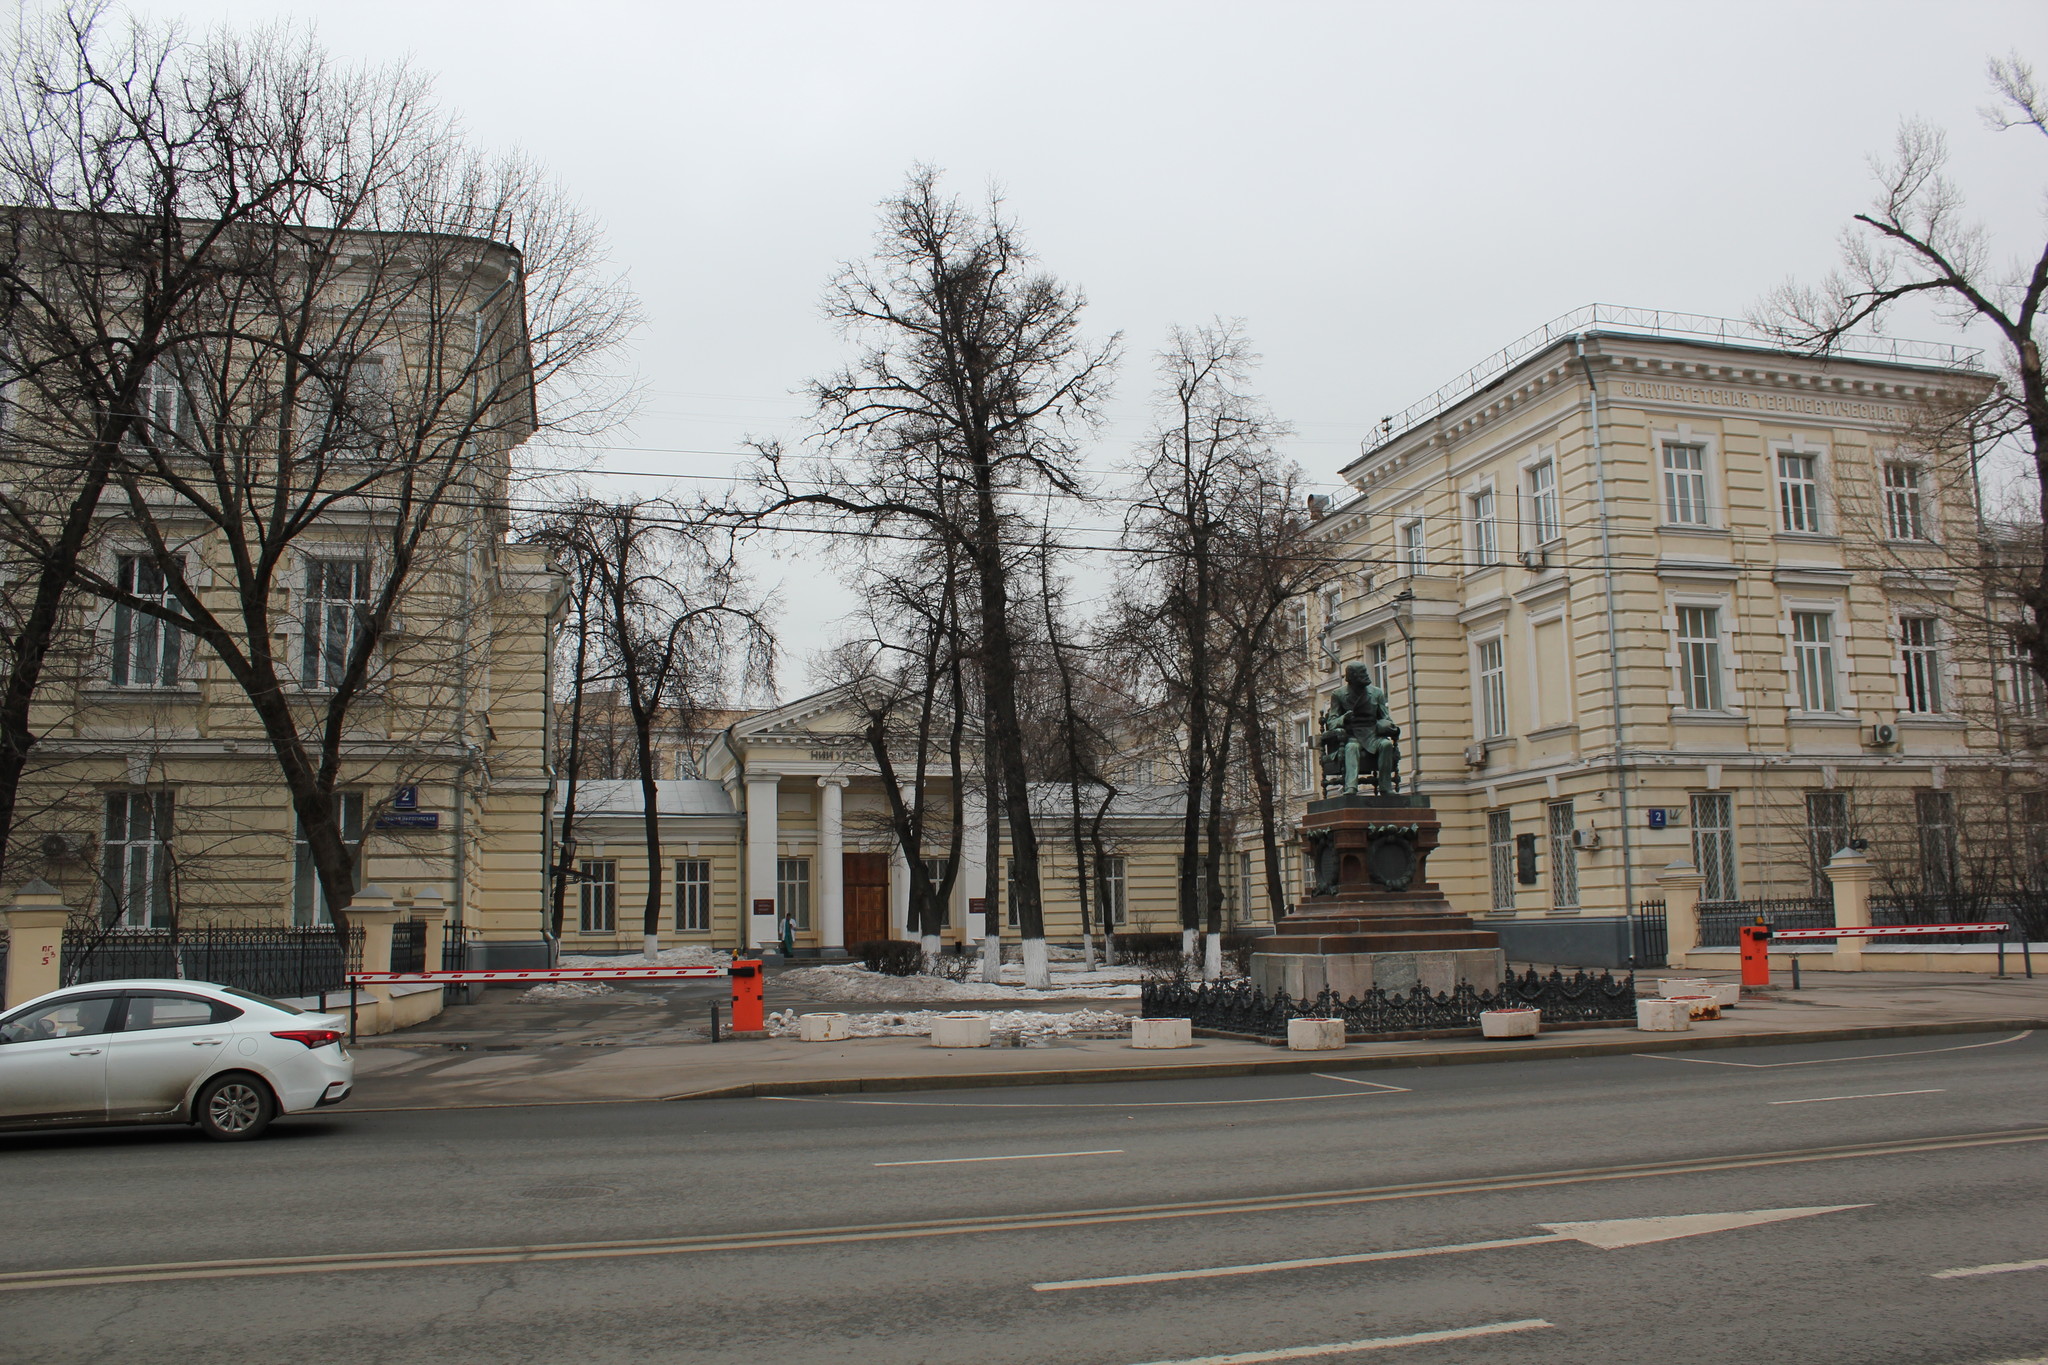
x,y
764,905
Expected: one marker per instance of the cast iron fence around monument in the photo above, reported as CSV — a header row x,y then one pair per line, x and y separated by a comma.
x,y
1239,1007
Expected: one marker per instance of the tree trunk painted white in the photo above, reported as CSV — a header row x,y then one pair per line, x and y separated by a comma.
x,y
1037,969
992,960
1187,943
1212,959
930,945
650,944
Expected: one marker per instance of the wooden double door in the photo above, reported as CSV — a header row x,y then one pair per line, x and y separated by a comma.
x,y
867,896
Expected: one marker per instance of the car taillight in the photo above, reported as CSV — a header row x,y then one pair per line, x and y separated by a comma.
x,y
311,1037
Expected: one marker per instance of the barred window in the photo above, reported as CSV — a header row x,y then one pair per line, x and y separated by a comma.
x,y
1485,529
309,901
1493,689
1936,817
693,895
598,894
1827,833
1500,857
1699,657
146,647
135,864
1920,659
337,609
1798,492
1685,484
1543,516
1813,658
1713,844
1564,858
1903,513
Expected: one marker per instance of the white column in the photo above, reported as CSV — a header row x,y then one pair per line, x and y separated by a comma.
x,y
899,893
973,879
831,865
759,930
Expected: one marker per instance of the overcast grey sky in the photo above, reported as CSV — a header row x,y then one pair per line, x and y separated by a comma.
x,y
1384,192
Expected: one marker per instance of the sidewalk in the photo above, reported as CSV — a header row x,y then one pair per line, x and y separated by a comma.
x,y
652,1045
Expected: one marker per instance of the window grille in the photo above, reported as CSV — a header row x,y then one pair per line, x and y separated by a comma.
x,y
599,896
1713,844
1500,857
1564,858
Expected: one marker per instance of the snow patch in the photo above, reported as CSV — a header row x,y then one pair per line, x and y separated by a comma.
x,y
860,984
918,1023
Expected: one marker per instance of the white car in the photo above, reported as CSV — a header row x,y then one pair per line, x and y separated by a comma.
x,y
221,1059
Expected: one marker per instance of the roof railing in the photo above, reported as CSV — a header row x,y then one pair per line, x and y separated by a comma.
x,y
1655,322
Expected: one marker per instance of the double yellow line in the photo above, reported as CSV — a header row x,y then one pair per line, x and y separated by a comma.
x,y
75,1277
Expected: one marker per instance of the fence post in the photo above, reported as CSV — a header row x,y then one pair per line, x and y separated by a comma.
x,y
428,908
35,941
1849,875
1681,882
372,909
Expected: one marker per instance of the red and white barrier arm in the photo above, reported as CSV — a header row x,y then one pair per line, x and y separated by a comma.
x,y
508,977
1889,931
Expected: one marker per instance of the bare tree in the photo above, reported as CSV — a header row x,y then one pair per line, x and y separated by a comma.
x,y
970,387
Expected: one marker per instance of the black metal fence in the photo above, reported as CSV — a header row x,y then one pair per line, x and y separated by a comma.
x,y
1719,920
1653,934
1238,1007
275,961
454,948
409,946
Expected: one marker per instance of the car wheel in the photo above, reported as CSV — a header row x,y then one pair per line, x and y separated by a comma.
x,y
233,1108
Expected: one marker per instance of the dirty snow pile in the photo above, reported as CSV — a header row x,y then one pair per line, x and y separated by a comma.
x,y
858,983
568,990
918,1023
690,955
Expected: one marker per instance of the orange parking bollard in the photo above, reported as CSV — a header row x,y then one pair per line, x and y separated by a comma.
x,y
1756,953
748,1015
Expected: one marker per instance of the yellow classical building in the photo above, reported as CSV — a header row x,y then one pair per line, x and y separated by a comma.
x,y
1648,590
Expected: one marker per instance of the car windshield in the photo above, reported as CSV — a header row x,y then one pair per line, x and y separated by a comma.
x,y
261,1000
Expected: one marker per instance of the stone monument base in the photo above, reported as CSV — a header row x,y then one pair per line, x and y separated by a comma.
x,y
1349,975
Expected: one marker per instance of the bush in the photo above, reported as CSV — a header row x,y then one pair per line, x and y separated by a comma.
x,y
892,957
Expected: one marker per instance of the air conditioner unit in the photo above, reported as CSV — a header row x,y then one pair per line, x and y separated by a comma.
x,y
1883,736
1475,755
57,847
1535,560
1588,839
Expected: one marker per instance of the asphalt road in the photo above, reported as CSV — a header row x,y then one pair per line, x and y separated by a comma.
x,y
875,1229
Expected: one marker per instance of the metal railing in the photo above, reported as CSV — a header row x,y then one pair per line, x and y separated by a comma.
x,y
409,946
1652,934
1239,1007
278,960
1719,920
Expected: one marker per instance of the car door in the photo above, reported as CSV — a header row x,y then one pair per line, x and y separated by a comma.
x,y
53,1061
168,1041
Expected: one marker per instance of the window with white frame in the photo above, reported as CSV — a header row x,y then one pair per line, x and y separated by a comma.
x,y
1904,510
1827,833
1813,659
1564,857
1333,605
1311,769
1798,492
1935,816
1500,857
1110,886
163,410
336,610
145,647
1243,899
1713,844
793,890
597,895
1376,663
135,863
1493,688
1699,658
1543,517
1414,549
693,895
1920,663
2024,693
1297,615
1485,528
1685,484
309,898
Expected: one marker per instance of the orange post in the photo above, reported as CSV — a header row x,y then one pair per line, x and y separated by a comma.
x,y
1756,954
748,1016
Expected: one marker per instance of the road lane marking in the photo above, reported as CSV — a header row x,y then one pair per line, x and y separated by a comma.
x,y
1025,1156
1609,1234
1353,1080
1338,1348
1880,1095
2003,1268
82,1276
1380,1088
1824,1061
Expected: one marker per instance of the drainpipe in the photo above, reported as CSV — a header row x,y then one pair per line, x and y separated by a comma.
x,y
1403,604
1628,881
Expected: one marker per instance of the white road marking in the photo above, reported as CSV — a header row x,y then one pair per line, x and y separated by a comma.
x,y
1880,1095
1338,1348
1092,1104
2004,1268
1350,1080
1025,1156
1609,1234
1824,1061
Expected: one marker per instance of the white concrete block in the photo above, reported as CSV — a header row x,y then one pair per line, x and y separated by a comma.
x,y
1510,1023
1314,1035
1699,1006
1727,994
1663,1016
1162,1033
960,1030
821,1028
1670,986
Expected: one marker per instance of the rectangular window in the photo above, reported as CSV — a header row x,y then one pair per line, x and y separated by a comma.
x,y
164,412
135,865
693,895
1199,871
1564,858
936,868
1920,657
1799,492
1485,529
1110,888
1414,549
1493,689
337,607
1935,814
2023,684
1903,514
1376,660
2034,814
1827,833
793,890
1685,484
1813,659
1713,844
1543,516
1311,769
1244,888
309,902
598,896
145,646
1333,605
1500,857
1699,658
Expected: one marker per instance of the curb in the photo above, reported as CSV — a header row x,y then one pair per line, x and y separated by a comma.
x,y
990,1080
